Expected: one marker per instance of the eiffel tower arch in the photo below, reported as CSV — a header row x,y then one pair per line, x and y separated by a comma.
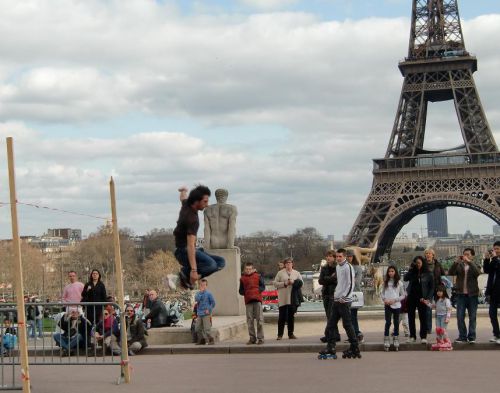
x,y
410,180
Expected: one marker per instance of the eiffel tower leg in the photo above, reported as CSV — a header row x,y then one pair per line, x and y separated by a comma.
x,y
473,123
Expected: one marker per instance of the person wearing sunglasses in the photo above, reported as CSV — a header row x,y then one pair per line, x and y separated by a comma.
x,y
108,332
136,339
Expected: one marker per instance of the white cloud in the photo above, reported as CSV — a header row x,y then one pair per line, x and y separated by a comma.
x,y
268,4
334,86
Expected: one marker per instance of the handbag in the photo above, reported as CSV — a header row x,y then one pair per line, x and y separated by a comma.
x,y
358,299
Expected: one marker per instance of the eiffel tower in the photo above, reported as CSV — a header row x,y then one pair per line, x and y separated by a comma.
x,y
410,180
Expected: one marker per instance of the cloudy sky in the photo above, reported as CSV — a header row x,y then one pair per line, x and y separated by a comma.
x,y
283,102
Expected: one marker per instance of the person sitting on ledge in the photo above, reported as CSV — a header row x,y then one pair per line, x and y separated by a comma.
x,y
157,316
136,339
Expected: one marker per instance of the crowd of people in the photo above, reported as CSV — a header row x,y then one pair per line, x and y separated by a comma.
x,y
421,289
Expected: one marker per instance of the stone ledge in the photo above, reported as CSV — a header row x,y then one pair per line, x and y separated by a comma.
x,y
298,348
223,329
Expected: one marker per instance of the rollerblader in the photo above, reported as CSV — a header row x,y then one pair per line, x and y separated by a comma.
x,y
341,308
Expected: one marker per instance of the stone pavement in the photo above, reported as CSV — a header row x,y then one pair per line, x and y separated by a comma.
x,y
403,372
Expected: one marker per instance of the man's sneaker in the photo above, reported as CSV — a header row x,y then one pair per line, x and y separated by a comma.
x,y
170,281
494,339
260,342
460,341
498,341
211,341
131,353
184,281
423,341
250,342
473,341
279,338
201,342
292,337
411,340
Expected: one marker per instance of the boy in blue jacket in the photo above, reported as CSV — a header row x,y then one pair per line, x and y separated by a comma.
x,y
205,304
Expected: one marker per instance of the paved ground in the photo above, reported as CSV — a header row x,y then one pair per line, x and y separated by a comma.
x,y
401,372
406,371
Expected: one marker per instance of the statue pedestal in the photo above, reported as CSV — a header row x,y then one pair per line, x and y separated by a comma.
x,y
224,284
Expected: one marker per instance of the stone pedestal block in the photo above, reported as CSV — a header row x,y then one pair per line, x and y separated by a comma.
x,y
224,284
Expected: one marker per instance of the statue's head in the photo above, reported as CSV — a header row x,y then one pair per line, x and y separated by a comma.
x,y
221,195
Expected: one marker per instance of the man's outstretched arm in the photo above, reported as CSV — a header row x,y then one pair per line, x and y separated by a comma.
x,y
183,193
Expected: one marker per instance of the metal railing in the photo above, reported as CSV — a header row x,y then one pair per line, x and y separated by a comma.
x,y
70,334
441,160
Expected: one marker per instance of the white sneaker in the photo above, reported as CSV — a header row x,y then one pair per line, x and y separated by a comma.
x,y
494,339
498,341
171,281
411,340
423,341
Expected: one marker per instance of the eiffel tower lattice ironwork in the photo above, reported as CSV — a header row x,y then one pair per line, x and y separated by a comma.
x,y
410,180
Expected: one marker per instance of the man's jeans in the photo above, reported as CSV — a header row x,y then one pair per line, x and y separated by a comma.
x,y
205,263
39,327
494,304
66,343
469,303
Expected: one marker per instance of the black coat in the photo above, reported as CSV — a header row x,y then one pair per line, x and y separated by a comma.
x,y
492,268
425,280
94,293
158,314
328,278
296,295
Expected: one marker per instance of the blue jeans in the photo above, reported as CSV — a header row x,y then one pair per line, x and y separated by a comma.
x,y
469,303
39,327
205,263
31,328
68,343
388,313
440,322
429,320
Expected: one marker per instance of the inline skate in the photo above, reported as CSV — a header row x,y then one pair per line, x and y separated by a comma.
x,y
352,352
328,353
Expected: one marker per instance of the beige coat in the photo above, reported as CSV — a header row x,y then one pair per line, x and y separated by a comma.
x,y
285,293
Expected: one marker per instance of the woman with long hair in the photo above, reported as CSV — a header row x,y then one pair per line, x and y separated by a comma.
x,y
392,294
420,290
94,291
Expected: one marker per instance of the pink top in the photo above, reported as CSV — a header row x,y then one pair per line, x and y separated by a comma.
x,y
72,293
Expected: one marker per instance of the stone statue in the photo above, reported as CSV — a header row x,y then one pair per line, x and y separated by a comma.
x,y
220,222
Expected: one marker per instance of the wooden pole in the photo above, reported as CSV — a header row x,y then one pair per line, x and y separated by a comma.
x,y
18,268
119,284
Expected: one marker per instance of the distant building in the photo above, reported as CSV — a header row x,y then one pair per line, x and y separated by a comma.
x,y
437,223
454,245
66,233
